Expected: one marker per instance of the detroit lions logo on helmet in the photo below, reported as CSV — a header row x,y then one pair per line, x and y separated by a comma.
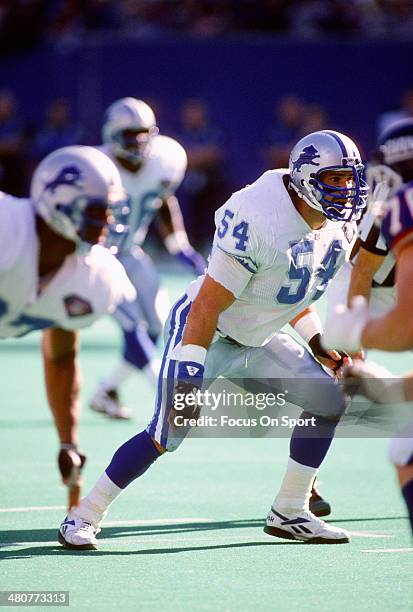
x,y
70,176
307,156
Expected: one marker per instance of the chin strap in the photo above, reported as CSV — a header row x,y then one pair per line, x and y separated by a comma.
x,y
315,205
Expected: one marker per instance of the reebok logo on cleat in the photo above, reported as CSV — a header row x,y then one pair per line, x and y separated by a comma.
x,y
295,524
297,521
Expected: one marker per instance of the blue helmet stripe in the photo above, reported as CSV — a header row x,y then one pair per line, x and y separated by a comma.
x,y
339,141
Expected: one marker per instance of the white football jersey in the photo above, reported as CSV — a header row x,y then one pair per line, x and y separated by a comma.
x,y
270,259
84,288
161,173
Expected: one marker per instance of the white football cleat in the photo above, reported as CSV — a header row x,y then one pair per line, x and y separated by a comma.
x,y
304,526
106,401
77,534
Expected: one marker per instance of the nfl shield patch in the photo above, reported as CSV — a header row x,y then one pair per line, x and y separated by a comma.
x,y
349,231
76,306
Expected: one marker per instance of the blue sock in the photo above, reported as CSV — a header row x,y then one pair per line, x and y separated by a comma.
x,y
138,348
309,444
132,459
407,492
153,337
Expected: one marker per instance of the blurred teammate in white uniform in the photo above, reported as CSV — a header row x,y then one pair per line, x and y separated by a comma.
x,y
277,245
152,167
53,278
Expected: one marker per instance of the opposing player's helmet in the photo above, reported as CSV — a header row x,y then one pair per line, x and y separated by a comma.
x,y
328,151
396,148
70,183
128,127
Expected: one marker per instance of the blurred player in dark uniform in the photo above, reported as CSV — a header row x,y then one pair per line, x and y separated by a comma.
x,y
351,328
370,272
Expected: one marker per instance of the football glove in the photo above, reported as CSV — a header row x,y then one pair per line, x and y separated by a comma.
x,y
188,382
374,382
71,462
330,358
344,326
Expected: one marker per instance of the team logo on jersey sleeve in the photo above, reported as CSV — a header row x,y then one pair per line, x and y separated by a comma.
x,y
76,306
307,156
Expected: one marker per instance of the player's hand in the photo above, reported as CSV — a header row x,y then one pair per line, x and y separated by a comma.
x,y
373,382
185,402
329,358
358,356
344,326
71,462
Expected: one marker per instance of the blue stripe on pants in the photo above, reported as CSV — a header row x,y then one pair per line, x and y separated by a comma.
x,y
171,375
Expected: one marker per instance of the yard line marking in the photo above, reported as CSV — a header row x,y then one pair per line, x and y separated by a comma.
x,y
30,544
387,550
142,541
137,522
146,543
164,521
32,508
369,534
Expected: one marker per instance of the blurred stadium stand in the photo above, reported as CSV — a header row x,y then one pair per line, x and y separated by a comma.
x,y
346,64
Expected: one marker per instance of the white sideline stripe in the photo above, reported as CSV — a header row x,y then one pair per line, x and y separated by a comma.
x,y
369,534
32,508
387,550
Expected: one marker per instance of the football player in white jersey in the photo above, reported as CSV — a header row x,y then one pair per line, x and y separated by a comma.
x,y
152,167
393,331
277,245
55,276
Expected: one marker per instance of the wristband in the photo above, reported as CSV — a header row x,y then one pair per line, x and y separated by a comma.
x,y
308,326
192,352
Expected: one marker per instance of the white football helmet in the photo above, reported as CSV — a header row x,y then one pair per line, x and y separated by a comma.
x,y
328,150
71,180
128,127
